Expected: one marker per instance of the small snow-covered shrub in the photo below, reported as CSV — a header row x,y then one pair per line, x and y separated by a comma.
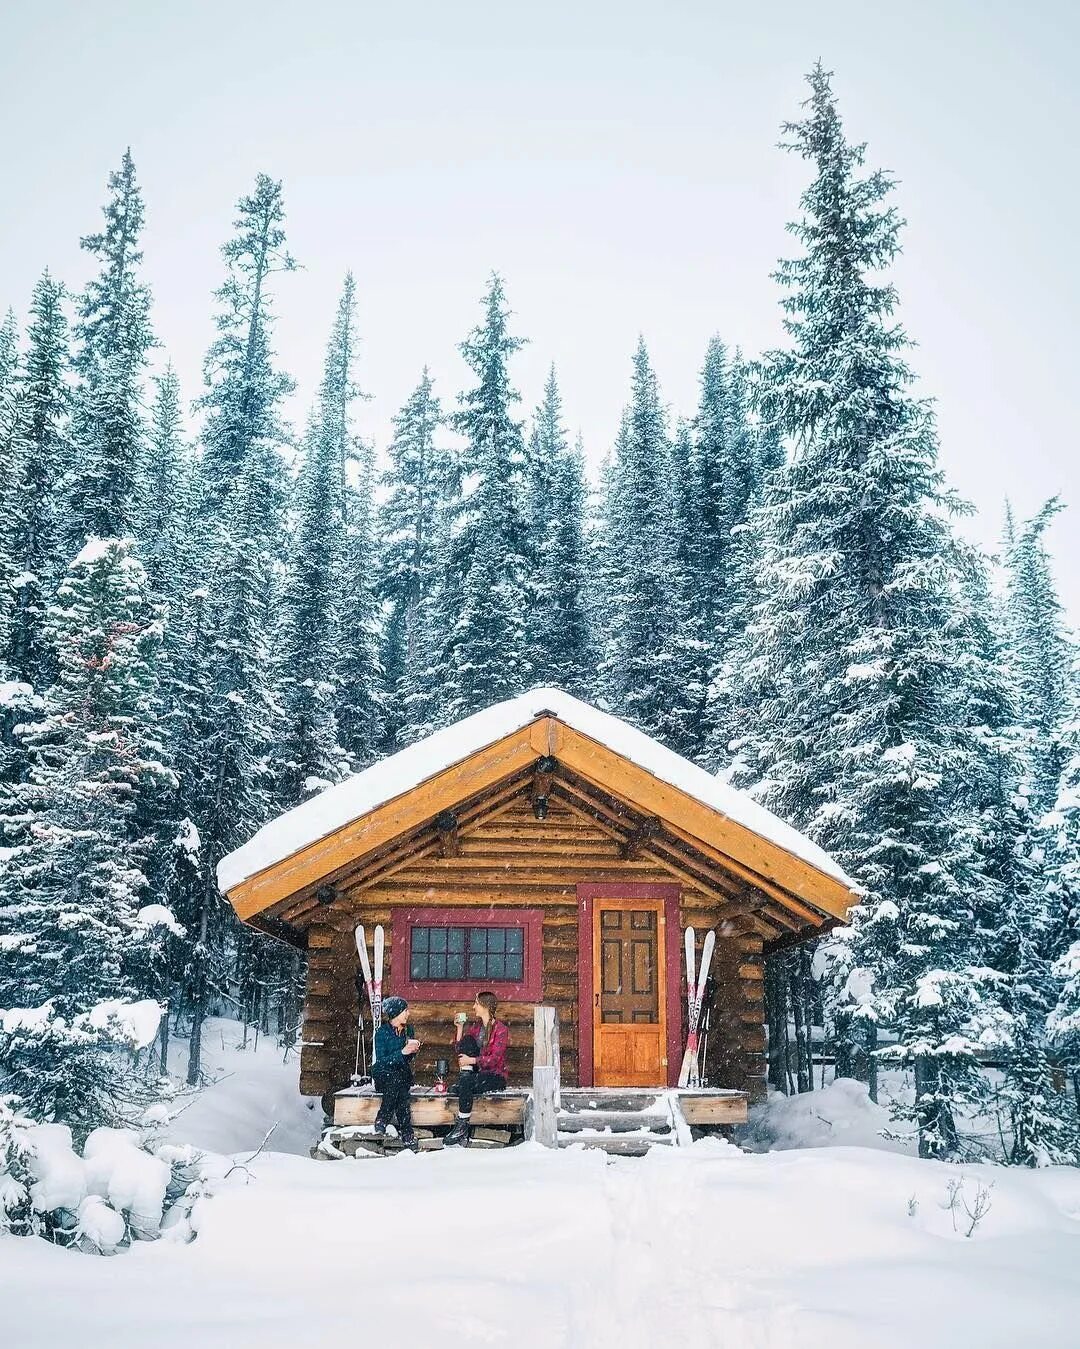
x,y
16,1213
59,1173
123,1188
100,1228
133,1180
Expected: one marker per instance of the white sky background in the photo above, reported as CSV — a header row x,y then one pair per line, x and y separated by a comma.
x,y
614,159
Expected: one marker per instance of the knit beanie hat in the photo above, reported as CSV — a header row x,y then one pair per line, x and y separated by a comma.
x,y
393,1007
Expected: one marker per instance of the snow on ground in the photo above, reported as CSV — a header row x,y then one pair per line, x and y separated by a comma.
x,y
835,1247
703,1246
248,1090
840,1114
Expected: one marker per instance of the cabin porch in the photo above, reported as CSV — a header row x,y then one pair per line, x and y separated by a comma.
x,y
622,1119
619,1120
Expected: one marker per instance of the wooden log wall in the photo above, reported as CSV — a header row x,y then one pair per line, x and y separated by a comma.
x,y
513,860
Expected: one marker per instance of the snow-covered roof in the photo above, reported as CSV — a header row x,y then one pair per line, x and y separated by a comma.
x,y
340,805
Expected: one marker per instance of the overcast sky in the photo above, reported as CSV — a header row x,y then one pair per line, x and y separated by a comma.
x,y
614,159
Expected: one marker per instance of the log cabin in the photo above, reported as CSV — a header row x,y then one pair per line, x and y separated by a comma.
x,y
552,853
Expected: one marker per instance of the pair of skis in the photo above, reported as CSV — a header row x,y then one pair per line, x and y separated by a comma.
x,y
374,991
690,1073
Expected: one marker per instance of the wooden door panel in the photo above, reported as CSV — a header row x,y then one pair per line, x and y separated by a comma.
x,y
643,974
629,1030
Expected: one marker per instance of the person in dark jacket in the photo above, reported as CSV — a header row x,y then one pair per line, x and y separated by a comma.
x,y
393,1071
481,1047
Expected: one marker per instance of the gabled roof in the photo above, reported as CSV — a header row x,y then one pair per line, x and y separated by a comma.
x,y
385,801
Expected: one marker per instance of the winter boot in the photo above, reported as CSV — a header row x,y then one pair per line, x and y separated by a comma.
x,y
459,1133
409,1140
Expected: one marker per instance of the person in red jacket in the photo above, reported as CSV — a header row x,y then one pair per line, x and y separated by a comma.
x,y
481,1047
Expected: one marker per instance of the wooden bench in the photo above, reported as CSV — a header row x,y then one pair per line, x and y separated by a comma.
x,y
431,1109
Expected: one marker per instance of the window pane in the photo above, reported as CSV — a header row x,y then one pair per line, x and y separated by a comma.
x,y
488,953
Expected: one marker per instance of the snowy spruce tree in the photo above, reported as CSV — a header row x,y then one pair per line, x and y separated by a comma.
x,y
1014,911
1041,656
560,640
170,546
849,697
244,390
241,499
358,705
76,941
686,654
11,468
16,697
316,598
44,454
482,599
412,525
1061,831
165,528
635,670
733,458
227,758
113,339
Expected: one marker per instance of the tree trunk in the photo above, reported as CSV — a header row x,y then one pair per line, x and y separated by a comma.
x,y
199,995
163,1040
802,1058
871,1060
776,1015
845,1057
198,1015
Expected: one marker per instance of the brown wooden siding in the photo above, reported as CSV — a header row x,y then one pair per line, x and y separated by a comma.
x,y
509,860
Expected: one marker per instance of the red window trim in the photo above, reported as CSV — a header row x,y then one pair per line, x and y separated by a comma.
x,y
588,893
403,920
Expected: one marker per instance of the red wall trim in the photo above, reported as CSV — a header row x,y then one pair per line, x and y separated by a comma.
x,y
403,919
587,893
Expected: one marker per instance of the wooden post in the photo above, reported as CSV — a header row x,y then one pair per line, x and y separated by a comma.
x,y
545,1076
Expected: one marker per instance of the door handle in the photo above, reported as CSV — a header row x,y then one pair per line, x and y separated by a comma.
x,y
597,1002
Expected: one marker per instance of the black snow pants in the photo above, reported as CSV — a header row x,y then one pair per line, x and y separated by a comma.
x,y
394,1081
471,1083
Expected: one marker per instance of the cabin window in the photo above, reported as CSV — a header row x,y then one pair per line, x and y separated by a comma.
x,y
445,953
488,954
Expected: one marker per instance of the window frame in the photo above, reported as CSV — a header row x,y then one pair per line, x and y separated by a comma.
x,y
528,989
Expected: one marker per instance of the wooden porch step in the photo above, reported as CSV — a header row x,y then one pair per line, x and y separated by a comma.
x,y
619,1145
619,1122
577,1099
